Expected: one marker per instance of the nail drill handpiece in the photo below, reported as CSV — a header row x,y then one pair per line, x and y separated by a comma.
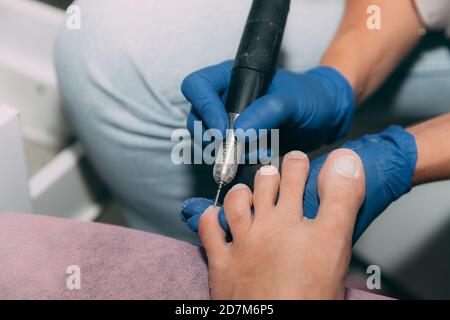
x,y
252,73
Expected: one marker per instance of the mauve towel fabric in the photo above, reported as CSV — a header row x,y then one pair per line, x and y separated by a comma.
x,y
115,262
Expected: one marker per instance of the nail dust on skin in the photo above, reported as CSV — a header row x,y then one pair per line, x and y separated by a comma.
x,y
347,166
268,170
296,155
238,186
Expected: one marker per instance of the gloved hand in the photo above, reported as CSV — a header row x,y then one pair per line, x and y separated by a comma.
x,y
313,108
389,160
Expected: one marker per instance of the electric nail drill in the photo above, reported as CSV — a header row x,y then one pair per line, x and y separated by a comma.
x,y
252,73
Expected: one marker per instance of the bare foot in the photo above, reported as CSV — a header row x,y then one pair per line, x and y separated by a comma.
x,y
277,254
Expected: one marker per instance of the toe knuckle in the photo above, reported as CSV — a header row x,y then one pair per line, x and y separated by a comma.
x,y
235,217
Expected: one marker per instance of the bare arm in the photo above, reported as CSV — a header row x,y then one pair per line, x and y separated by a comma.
x,y
366,57
433,148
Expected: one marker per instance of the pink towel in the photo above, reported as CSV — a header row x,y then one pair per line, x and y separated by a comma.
x,y
115,263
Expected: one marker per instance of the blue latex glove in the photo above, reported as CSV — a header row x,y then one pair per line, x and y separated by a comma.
x,y
389,160
316,106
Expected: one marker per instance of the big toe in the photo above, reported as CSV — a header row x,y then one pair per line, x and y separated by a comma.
x,y
341,188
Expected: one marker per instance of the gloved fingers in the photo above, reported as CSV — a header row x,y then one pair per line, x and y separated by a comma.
x,y
389,160
310,197
201,137
194,124
193,208
204,89
268,112
341,188
192,223
196,128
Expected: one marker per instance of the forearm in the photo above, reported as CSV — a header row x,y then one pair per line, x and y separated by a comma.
x,y
433,149
366,57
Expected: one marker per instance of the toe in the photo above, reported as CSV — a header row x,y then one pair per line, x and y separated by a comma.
x,y
237,206
294,173
211,234
193,207
341,187
267,182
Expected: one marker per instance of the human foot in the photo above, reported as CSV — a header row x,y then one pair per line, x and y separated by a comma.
x,y
276,254
389,160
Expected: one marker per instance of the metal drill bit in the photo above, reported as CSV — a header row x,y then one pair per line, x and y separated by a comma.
x,y
227,159
216,200
252,73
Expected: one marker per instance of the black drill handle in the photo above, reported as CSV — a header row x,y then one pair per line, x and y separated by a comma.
x,y
257,56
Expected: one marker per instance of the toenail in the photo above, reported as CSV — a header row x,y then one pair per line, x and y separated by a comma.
x,y
238,186
209,209
268,170
296,155
346,166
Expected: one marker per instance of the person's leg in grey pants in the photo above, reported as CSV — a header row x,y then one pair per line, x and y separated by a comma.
x,y
121,73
